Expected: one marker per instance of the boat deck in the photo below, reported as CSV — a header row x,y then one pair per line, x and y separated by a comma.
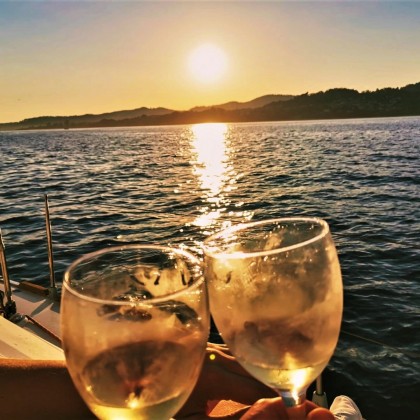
x,y
25,339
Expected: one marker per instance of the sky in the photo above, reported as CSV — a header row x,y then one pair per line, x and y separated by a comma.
x,y
77,57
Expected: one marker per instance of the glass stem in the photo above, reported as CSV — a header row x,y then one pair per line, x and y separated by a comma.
x,y
294,403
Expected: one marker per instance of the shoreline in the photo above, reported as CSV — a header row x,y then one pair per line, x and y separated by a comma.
x,y
303,120
337,103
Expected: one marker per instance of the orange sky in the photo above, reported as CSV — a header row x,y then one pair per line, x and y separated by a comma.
x,y
68,58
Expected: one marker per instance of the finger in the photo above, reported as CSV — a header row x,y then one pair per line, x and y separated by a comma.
x,y
320,414
266,409
309,406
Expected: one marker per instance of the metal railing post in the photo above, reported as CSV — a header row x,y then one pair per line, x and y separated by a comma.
x,y
9,307
53,291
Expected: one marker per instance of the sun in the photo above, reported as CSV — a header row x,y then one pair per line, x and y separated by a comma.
x,y
207,63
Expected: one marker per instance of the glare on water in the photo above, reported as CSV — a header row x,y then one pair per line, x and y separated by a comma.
x,y
212,159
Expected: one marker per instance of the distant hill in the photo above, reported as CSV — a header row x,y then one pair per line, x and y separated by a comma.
x,y
85,120
255,103
121,115
345,103
333,103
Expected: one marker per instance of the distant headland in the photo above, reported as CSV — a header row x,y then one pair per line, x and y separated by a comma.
x,y
331,104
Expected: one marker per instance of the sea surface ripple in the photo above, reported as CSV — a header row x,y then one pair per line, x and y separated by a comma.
x,y
177,184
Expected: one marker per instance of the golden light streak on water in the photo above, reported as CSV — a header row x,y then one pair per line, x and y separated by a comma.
x,y
212,159
213,168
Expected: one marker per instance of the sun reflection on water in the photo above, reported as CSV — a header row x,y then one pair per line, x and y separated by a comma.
x,y
212,159
212,165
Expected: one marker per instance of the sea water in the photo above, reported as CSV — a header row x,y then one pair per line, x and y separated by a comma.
x,y
177,184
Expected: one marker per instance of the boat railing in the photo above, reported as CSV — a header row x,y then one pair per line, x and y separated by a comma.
x,y
7,304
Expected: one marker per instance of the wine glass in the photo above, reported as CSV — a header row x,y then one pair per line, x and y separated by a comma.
x,y
135,323
276,298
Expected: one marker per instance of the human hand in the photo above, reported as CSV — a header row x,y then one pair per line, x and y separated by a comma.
x,y
226,391
274,409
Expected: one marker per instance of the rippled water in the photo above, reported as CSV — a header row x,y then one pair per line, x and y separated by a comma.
x,y
177,184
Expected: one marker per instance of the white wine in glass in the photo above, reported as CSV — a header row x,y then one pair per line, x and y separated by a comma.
x,y
276,297
135,323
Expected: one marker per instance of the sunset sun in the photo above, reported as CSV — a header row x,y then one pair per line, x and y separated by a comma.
x,y
207,63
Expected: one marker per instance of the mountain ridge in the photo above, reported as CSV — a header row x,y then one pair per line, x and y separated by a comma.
x,y
329,104
139,112
254,103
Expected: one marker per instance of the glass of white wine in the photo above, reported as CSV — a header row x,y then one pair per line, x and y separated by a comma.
x,y
135,323
276,297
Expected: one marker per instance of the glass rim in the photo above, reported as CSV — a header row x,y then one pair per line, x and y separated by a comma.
x,y
209,250
103,251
